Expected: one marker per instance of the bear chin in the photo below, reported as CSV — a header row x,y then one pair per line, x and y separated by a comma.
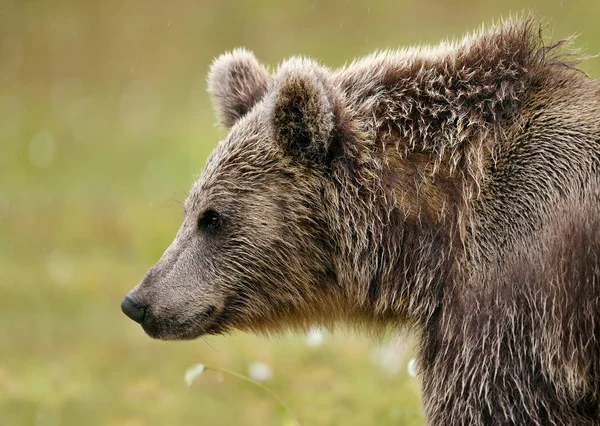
x,y
207,322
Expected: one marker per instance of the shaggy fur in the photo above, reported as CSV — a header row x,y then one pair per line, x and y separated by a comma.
x,y
452,189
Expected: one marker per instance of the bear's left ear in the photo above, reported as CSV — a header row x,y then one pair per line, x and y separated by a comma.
x,y
305,108
236,82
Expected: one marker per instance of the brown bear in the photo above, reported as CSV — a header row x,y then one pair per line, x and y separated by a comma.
x,y
454,190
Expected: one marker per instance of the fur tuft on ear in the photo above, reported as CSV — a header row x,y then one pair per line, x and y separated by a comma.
x,y
303,110
236,81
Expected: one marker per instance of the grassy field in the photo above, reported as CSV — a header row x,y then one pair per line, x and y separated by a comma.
x,y
104,124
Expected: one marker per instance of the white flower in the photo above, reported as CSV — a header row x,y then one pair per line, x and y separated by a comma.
x,y
413,367
315,337
390,355
192,373
260,371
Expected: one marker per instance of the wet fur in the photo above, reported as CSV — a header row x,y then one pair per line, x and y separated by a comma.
x,y
451,189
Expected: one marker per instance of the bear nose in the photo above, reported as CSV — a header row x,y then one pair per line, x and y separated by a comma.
x,y
133,309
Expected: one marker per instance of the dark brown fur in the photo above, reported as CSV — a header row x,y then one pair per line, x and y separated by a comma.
x,y
453,190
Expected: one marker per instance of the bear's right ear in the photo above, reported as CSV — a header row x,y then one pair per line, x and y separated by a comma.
x,y
305,111
236,81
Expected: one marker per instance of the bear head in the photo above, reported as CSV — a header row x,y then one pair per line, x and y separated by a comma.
x,y
257,249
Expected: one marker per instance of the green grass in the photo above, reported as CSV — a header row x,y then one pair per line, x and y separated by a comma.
x,y
78,235
119,86
72,355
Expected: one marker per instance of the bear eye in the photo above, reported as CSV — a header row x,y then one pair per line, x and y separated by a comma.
x,y
210,220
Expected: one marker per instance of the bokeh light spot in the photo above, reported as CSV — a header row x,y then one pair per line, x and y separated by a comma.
x,y
260,371
139,108
59,267
42,149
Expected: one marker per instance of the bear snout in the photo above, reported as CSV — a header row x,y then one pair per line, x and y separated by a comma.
x,y
133,308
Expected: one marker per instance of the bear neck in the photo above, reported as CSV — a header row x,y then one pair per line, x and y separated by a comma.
x,y
418,139
393,256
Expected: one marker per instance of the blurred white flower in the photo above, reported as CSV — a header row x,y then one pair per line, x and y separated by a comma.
x,y
315,337
260,371
413,367
387,358
42,149
390,356
192,373
59,267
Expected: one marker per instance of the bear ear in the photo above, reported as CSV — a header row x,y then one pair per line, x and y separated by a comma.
x,y
304,106
236,81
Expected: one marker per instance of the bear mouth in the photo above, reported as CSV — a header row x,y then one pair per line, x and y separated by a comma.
x,y
176,328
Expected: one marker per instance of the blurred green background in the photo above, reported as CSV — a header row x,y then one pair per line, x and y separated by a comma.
x,y
104,124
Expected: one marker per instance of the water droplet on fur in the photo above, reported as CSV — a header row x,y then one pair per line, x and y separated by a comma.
x,y
192,373
260,371
42,149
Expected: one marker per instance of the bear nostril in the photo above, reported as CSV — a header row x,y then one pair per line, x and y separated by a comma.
x,y
133,309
